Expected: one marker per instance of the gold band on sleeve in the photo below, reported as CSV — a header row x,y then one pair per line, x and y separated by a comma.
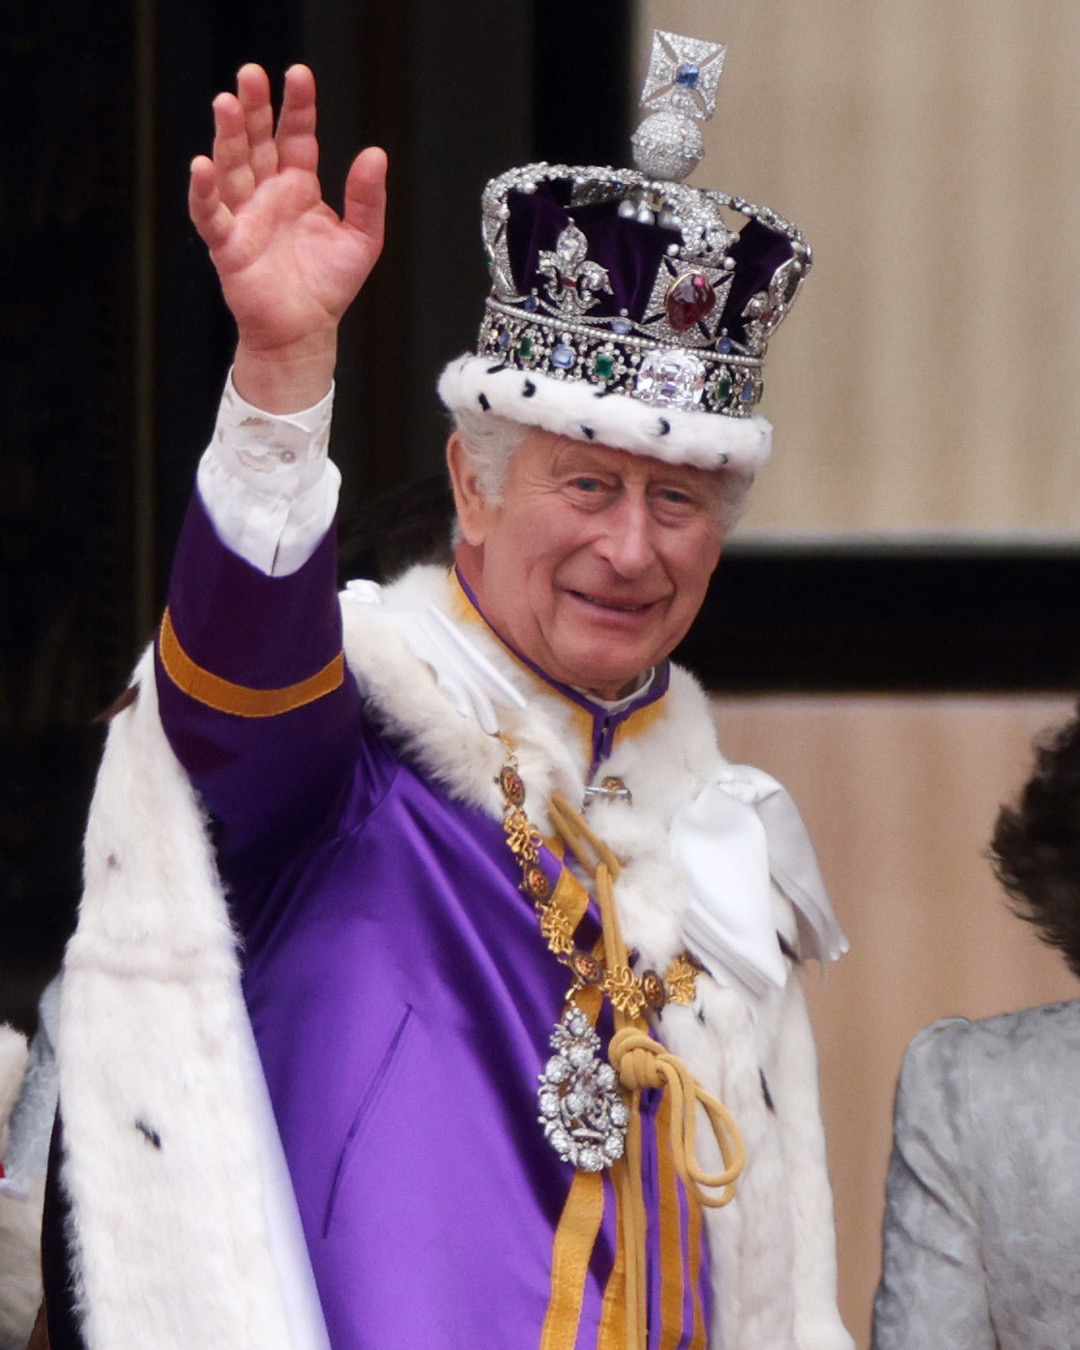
x,y
224,696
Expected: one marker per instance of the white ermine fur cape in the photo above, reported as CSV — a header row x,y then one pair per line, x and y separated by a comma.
x,y
20,1215
181,1234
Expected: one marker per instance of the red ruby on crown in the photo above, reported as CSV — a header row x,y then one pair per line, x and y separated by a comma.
x,y
689,299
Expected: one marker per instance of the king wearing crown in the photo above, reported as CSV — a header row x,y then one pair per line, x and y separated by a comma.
x,y
438,983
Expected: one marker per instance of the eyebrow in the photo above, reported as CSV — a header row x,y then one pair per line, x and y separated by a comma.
x,y
580,457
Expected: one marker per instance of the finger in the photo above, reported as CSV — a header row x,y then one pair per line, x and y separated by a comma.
x,y
297,146
253,91
209,214
232,153
365,194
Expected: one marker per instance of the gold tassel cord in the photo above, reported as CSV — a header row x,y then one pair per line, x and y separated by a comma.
x,y
574,829
641,1063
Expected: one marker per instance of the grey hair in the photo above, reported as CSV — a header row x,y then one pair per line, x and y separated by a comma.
x,y
734,499
489,442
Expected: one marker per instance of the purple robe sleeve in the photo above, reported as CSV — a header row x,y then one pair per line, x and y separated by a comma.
x,y
255,698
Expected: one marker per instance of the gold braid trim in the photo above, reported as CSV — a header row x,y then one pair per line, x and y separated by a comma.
x,y
224,696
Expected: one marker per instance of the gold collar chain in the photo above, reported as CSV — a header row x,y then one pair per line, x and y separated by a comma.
x,y
628,993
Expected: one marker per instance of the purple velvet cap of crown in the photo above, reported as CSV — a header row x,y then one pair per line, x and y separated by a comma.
x,y
631,251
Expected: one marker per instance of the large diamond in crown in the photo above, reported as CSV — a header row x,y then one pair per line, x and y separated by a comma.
x,y
671,379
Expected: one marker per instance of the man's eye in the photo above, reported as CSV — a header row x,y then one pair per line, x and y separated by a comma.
x,y
675,497
588,484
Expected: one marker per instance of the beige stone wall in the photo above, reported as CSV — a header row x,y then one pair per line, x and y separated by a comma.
x,y
931,154
900,795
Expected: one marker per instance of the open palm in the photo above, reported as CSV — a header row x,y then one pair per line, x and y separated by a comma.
x,y
289,264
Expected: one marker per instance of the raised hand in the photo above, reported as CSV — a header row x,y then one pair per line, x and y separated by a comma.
x,y
289,265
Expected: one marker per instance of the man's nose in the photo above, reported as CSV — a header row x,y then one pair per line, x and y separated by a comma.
x,y
627,541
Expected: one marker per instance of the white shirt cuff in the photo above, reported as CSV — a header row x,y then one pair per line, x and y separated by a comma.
x,y
267,483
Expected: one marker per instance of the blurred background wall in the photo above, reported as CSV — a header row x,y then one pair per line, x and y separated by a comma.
x,y
894,622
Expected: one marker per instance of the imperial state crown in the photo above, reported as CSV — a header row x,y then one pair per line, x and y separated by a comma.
x,y
627,306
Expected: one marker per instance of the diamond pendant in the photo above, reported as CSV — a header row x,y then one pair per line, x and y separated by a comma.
x,y
583,1115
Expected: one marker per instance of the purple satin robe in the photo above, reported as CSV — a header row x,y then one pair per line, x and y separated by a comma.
x,y
399,989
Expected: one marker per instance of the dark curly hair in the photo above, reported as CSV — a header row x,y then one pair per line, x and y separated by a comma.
x,y
1035,848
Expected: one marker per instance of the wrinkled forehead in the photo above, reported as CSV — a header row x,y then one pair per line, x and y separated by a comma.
x,y
567,454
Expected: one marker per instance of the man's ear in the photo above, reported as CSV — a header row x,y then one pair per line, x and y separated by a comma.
x,y
473,507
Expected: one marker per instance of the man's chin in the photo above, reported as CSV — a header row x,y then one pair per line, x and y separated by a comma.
x,y
607,679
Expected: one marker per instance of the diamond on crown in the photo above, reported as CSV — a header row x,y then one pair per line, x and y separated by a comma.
x,y
573,279
671,378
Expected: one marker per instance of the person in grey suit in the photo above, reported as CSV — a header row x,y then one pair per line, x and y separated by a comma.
x,y
982,1225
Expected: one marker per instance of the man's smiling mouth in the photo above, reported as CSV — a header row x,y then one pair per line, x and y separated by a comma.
x,y
619,606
